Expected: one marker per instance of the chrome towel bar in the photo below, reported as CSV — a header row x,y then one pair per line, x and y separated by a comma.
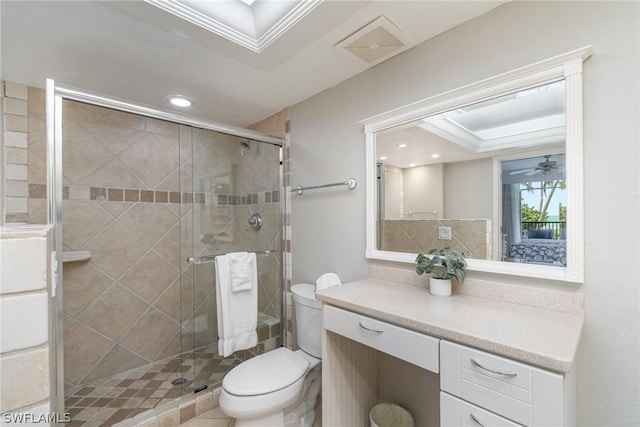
x,y
210,258
351,183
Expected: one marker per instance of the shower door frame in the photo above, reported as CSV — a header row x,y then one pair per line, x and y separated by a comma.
x,y
54,95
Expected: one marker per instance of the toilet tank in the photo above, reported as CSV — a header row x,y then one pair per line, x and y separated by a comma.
x,y
308,312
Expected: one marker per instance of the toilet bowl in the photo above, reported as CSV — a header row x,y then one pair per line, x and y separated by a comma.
x,y
280,387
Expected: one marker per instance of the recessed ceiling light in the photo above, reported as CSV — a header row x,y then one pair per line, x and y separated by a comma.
x,y
411,165
180,101
248,2
382,158
435,156
402,145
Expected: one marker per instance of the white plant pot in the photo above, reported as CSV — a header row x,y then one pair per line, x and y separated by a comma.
x,y
440,287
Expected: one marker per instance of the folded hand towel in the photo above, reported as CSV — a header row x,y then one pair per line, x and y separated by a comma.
x,y
327,280
237,312
242,266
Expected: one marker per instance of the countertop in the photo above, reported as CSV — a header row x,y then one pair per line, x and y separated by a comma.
x,y
545,338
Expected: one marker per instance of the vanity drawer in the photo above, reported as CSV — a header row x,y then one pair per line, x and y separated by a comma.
x,y
522,393
410,346
458,413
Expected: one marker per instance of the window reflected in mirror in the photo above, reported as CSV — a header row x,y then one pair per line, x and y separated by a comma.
x,y
487,179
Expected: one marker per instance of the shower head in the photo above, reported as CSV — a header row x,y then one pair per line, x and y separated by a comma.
x,y
244,146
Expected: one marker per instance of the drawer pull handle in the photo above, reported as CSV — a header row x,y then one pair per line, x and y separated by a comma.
x,y
504,373
475,420
377,331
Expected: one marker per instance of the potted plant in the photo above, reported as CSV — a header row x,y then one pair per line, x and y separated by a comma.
x,y
443,264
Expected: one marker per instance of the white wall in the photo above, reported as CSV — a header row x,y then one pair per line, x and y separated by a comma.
x,y
328,145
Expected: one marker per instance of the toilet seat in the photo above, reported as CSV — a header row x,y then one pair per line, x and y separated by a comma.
x,y
266,383
266,373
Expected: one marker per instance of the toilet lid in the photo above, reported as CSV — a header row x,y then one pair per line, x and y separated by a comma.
x,y
265,373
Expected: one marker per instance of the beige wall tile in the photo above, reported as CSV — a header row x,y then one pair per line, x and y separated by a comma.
x,y
119,359
115,249
25,379
150,276
17,156
16,172
15,106
162,127
16,123
15,139
82,221
149,221
167,301
16,188
169,246
152,159
15,90
83,283
82,153
151,334
114,312
114,174
83,348
79,192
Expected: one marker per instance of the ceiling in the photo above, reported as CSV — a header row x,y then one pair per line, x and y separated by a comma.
x,y
137,51
523,120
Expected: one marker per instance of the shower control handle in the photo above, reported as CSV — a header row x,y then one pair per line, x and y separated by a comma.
x,y
255,221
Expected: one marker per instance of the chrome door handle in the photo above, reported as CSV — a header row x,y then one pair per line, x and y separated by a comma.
x,y
503,373
366,328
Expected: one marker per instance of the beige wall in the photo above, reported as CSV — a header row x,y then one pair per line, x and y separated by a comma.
x,y
468,189
329,144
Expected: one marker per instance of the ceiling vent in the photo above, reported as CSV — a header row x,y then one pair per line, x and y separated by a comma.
x,y
375,42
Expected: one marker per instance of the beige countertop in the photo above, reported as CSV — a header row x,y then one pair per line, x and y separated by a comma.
x,y
545,338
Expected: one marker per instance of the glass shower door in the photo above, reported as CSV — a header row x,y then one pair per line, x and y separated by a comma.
x,y
227,181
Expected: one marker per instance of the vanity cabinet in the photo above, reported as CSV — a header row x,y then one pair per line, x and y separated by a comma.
x,y
524,394
458,361
413,347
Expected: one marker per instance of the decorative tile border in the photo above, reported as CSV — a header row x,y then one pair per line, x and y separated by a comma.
x,y
107,194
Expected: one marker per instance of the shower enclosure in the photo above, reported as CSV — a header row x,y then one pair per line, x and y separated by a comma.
x,y
142,202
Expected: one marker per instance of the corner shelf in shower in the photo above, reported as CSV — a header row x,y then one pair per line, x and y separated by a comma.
x,y
75,256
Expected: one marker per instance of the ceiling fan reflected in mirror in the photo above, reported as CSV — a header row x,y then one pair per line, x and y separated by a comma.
x,y
543,167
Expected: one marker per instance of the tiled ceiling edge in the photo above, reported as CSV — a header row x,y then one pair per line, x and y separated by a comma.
x,y
299,11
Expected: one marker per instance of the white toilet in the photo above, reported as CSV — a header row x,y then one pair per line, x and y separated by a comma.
x,y
280,387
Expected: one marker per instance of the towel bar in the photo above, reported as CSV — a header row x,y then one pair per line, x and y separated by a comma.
x,y
211,258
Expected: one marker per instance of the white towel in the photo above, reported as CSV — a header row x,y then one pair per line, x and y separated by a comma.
x,y
237,312
327,280
243,269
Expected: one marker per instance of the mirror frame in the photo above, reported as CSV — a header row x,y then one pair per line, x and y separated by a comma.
x,y
567,66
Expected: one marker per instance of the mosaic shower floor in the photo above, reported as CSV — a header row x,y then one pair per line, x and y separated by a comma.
x,y
110,400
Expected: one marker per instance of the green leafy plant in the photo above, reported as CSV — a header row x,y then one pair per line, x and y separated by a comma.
x,y
442,264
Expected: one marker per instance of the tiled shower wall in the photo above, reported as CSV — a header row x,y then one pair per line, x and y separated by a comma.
x,y
124,179
471,236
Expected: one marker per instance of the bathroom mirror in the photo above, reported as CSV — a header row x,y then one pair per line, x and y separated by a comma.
x,y
493,169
